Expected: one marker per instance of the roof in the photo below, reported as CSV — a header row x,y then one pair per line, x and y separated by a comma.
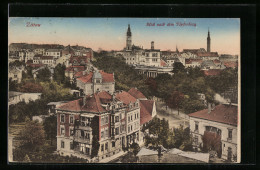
x,y
163,63
190,61
104,97
93,104
53,50
125,97
207,54
86,78
212,72
227,114
97,75
146,109
106,77
145,151
79,74
231,64
71,106
136,93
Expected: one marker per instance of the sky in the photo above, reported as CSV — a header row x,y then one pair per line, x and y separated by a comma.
x,y
110,33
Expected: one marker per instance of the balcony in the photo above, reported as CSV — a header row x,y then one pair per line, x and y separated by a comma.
x,y
81,139
88,128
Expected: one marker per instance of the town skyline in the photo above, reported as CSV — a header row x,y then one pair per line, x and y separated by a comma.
x,y
225,33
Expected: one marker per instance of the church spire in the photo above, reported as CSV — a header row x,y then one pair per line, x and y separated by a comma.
x,y
128,39
177,49
208,41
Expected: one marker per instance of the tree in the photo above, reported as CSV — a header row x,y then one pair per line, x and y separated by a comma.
x,y
33,135
182,138
175,99
178,67
13,85
136,148
50,126
44,74
59,73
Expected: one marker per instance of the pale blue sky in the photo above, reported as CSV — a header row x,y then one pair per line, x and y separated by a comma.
x,y
109,33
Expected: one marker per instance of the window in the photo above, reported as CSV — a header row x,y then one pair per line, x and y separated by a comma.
x,y
62,131
113,144
71,132
128,118
196,126
229,133
82,133
62,144
117,118
196,140
87,151
131,117
106,133
71,146
135,115
131,127
62,118
102,147
106,146
97,81
71,119
128,128
117,131
15,76
102,134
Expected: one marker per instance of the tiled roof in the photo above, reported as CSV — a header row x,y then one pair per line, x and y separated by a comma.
x,y
136,93
71,106
227,114
104,97
231,64
79,74
79,59
93,104
125,97
190,61
146,109
106,77
212,72
163,63
86,78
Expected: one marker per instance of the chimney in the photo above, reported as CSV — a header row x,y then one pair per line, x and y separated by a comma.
x,y
209,108
152,45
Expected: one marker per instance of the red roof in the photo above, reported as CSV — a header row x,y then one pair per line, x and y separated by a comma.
x,y
92,104
79,59
79,74
105,97
125,97
212,72
227,114
146,109
86,78
136,93
163,63
106,77
207,54
232,64
190,61
71,106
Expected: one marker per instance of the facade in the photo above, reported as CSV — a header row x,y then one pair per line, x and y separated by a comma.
x,y
15,74
56,53
96,81
219,124
16,97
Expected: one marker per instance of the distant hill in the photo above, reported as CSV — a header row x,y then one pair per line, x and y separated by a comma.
x,y
16,46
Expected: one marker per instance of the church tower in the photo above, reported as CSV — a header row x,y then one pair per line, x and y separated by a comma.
x,y
208,42
128,39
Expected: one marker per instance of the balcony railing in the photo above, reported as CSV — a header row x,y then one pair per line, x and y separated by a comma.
x,y
82,139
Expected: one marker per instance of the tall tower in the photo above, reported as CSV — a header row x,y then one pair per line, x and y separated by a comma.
x,y
128,39
208,42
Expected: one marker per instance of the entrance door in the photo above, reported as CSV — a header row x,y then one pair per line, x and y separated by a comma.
x,y
229,156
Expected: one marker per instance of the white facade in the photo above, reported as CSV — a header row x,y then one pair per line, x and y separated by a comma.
x,y
53,52
229,141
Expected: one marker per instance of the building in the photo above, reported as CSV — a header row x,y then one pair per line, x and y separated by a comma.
x,y
116,119
16,97
96,81
208,42
15,74
216,128
55,53
72,70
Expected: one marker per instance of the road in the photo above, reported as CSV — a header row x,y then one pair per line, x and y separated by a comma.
x,y
172,116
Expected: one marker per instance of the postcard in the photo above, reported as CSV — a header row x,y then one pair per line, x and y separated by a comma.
x,y
124,90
